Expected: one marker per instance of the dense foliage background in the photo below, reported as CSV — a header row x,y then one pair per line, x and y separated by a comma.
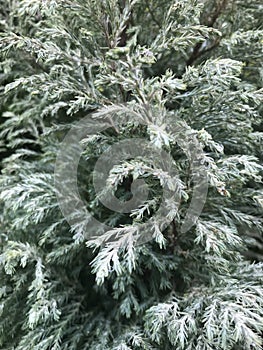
x,y
194,63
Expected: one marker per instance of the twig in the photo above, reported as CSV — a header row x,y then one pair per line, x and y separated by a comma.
x,y
152,14
211,21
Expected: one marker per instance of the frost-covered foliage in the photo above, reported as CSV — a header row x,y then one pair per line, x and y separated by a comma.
x,y
194,64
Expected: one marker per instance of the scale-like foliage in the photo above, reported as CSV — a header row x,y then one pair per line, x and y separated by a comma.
x,y
159,70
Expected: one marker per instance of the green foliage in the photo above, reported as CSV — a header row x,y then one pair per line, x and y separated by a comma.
x,y
191,66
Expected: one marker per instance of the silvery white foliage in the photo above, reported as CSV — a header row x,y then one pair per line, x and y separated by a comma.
x,y
186,66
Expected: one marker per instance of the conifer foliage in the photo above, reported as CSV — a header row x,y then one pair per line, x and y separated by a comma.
x,y
164,71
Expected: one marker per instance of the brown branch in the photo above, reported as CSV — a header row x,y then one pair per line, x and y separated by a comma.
x,y
152,14
210,23
217,13
172,236
195,54
124,36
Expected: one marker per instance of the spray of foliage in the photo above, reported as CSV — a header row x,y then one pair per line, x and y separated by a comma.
x,y
166,62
